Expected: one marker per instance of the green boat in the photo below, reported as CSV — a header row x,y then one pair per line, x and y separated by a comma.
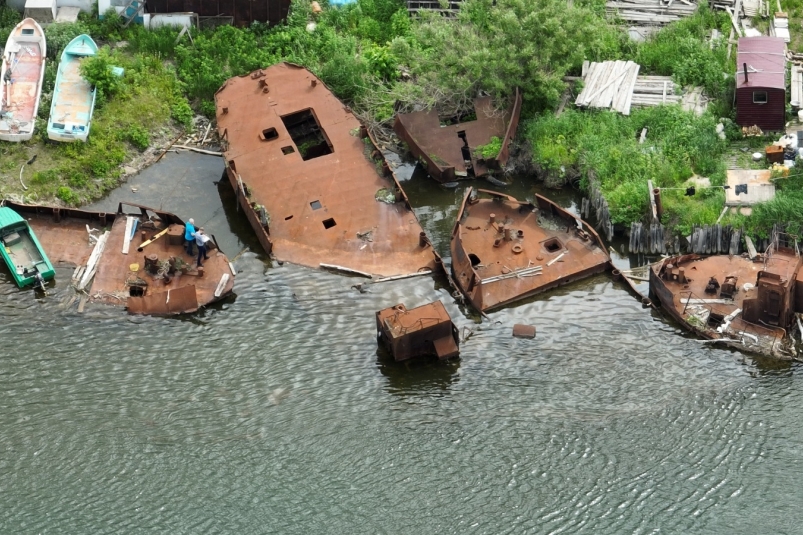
x,y
22,252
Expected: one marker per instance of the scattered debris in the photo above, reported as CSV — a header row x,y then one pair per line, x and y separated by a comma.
x,y
421,331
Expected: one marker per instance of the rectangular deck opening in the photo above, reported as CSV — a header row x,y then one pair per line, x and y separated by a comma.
x,y
329,223
307,134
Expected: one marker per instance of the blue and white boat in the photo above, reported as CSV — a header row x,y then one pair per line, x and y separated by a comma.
x,y
73,97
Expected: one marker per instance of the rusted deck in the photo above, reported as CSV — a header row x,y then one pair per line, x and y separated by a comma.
x,y
504,249
117,281
749,307
448,151
308,177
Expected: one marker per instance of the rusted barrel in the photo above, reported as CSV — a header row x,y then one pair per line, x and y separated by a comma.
x,y
617,275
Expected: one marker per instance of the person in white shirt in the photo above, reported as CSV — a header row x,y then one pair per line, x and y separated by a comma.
x,y
200,241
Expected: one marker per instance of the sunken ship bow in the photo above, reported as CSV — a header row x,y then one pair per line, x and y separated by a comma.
x,y
504,249
748,302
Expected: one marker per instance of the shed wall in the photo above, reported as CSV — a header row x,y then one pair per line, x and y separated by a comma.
x,y
243,11
770,116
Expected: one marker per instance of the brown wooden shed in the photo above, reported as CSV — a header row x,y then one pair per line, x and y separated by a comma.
x,y
244,12
761,83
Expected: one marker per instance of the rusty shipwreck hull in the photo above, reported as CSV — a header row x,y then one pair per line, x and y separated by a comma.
x,y
751,307
122,279
310,179
448,152
504,250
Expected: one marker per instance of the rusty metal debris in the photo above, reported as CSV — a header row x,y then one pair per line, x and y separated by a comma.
x,y
421,331
749,304
161,280
504,250
309,177
449,152
523,331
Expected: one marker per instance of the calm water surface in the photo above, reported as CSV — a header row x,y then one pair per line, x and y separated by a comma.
x,y
273,412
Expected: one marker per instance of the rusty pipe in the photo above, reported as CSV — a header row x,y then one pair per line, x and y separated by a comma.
x,y
659,207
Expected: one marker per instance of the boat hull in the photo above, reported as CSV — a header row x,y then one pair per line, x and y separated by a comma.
x,y
21,77
21,250
73,97
738,317
504,250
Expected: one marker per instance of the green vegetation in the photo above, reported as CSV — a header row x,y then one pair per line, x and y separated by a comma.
x,y
678,145
378,60
491,150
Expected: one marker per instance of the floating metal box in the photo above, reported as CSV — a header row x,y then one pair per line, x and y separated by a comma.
x,y
426,330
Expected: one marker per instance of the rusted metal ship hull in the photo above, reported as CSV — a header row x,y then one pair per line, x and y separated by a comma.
x,y
421,331
447,152
123,279
309,177
504,250
751,306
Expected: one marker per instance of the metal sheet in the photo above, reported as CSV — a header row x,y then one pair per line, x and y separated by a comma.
x,y
165,303
323,209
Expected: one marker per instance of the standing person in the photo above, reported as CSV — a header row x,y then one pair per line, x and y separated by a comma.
x,y
200,241
189,235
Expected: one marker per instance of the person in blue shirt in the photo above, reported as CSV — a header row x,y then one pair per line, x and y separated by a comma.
x,y
189,235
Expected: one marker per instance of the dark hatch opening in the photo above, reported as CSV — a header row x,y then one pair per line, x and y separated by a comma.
x,y
329,223
307,134
553,245
475,260
269,134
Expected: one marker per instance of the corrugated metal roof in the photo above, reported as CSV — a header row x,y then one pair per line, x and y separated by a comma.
x,y
8,217
766,62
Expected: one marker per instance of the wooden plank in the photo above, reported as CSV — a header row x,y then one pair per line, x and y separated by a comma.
x,y
629,99
129,224
221,285
751,249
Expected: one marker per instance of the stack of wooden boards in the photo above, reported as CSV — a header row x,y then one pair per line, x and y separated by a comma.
x,y
654,12
617,85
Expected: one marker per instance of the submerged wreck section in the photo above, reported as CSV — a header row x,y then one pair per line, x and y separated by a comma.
x,y
421,331
504,250
312,183
104,250
747,303
450,153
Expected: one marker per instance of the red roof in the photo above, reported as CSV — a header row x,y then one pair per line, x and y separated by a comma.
x,y
766,62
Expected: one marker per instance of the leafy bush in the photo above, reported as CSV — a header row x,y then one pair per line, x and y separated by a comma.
x,y
491,150
138,136
678,143
66,194
97,70
59,35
